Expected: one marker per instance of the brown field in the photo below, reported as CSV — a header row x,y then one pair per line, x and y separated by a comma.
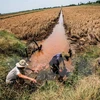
x,y
82,24
34,25
8,15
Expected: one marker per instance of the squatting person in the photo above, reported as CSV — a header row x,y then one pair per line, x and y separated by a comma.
x,y
18,73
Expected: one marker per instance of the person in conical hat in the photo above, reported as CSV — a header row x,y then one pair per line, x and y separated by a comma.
x,y
17,72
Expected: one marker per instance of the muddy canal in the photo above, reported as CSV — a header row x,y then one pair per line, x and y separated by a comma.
x,y
55,43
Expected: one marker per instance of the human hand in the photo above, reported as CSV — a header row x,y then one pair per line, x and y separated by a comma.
x,y
60,70
33,80
36,71
65,78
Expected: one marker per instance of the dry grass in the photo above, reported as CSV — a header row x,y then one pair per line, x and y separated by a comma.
x,y
86,89
8,15
82,24
31,25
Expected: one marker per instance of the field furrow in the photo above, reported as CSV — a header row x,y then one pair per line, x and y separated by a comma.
x,y
82,25
34,25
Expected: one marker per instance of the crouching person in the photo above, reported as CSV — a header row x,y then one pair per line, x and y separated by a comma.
x,y
55,64
17,74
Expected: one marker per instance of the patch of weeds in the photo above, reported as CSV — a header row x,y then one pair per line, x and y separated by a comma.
x,y
9,44
92,52
7,92
82,68
83,63
50,85
11,51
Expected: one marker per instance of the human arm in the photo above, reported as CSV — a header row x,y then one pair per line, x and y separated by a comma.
x,y
62,65
33,70
26,77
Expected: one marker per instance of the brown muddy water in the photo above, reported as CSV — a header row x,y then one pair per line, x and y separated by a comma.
x,y
54,44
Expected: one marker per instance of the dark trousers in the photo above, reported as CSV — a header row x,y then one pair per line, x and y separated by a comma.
x,y
55,68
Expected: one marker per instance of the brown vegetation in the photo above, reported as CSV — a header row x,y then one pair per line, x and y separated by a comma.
x,y
34,25
82,25
8,15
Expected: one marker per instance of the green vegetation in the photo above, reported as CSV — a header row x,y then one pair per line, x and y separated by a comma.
x,y
9,44
97,3
11,51
82,84
7,92
84,64
90,3
85,89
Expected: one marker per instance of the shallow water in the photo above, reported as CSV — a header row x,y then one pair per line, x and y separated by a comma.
x,y
55,43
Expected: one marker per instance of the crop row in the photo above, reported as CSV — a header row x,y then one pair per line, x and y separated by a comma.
x,y
82,25
34,25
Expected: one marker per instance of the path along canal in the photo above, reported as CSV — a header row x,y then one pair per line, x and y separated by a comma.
x,y
54,44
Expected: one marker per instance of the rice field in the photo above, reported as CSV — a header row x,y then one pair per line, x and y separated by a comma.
x,y
82,24
33,25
